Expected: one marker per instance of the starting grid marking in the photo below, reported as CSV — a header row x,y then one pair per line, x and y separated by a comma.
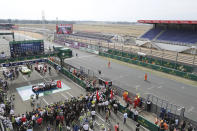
x,y
26,91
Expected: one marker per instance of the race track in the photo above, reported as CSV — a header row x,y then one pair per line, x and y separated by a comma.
x,y
132,79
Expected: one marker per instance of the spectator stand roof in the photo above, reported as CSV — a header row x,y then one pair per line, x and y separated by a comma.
x,y
191,22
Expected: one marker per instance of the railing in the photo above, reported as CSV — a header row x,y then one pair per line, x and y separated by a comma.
x,y
11,60
132,49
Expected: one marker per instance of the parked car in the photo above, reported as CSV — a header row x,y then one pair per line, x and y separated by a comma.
x,y
24,69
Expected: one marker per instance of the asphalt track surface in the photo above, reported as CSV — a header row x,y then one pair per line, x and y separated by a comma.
x,y
20,106
132,79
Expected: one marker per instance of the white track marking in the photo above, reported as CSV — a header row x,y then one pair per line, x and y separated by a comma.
x,y
102,119
40,75
29,83
150,88
45,101
24,77
79,57
69,94
97,123
63,95
137,86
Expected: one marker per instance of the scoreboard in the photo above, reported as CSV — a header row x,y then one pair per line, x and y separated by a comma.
x,y
64,29
26,48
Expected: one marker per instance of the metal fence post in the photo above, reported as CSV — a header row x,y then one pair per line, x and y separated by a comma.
x,y
108,45
130,49
176,60
156,105
194,59
162,57
122,50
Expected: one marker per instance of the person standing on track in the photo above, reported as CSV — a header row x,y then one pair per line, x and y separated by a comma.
x,y
116,127
145,77
125,117
49,69
99,71
137,127
109,64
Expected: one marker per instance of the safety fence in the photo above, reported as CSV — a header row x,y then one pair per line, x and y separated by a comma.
x,y
11,61
151,66
144,122
151,60
162,54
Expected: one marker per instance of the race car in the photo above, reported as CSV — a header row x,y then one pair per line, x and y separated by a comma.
x,y
44,86
25,70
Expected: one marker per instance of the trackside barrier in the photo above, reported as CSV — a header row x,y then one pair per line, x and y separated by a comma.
x,y
141,120
22,62
159,62
25,58
152,66
68,74
144,122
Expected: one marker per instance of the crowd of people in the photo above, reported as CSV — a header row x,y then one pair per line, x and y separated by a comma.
x,y
10,73
73,114
167,121
77,113
6,104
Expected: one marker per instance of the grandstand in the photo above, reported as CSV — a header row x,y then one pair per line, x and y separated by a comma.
x,y
91,35
173,32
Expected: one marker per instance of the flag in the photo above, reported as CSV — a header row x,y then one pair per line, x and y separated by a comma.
x,y
111,96
97,95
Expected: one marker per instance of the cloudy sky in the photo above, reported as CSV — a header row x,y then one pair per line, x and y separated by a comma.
x,y
99,10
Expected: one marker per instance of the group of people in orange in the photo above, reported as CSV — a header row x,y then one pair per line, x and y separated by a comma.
x,y
162,124
51,59
136,100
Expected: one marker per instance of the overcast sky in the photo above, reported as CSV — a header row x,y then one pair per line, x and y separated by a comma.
x,y
99,10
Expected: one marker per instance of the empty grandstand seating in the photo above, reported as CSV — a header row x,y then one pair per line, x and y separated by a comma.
x,y
179,36
94,35
151,34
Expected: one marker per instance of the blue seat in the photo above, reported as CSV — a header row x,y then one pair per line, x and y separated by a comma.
x,y
189,37
151,34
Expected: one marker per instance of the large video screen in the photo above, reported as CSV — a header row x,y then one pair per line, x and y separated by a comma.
x,y
26,48
64,29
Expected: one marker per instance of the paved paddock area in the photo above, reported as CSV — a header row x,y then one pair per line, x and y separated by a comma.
x,y
21,87
22,102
